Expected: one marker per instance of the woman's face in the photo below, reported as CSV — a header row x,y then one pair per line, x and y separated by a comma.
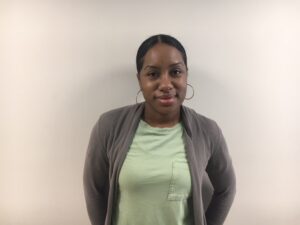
x,y
163,79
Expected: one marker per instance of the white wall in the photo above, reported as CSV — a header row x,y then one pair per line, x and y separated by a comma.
x,y
64,63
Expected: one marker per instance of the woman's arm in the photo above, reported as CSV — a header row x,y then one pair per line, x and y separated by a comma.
x,y
222,176
95,178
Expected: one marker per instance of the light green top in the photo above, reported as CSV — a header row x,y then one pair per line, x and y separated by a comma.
x,y
154,181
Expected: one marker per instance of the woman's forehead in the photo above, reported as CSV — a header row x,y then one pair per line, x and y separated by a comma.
x,y
162,54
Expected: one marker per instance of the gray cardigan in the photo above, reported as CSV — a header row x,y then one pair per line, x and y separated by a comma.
x,y
207,154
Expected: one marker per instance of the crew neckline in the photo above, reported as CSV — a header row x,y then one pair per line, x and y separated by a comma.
x,y
147,125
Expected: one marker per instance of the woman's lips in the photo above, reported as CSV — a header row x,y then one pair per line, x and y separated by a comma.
x,y
166,100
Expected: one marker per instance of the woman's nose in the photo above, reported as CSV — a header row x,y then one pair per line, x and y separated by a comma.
x,y
165,82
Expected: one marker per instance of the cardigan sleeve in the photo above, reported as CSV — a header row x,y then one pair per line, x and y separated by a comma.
x,y
222,176
95,175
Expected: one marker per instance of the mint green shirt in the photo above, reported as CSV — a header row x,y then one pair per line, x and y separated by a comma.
x,y
154,181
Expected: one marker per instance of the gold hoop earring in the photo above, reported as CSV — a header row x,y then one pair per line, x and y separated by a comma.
x,y
136,97
192,93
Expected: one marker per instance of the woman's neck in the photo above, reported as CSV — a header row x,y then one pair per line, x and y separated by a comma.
x,y
160,120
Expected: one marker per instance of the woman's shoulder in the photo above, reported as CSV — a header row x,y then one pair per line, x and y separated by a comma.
x,y
119,115
198,118
117,112
199,122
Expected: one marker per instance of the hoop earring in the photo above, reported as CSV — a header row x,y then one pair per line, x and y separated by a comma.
x,y
136,97
192,93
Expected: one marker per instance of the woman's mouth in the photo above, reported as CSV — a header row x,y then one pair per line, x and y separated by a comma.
x,y
166,100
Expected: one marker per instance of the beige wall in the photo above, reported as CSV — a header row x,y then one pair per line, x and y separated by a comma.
x,y
63,64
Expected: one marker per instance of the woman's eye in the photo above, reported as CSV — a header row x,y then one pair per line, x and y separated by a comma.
x,y
152,74
176,72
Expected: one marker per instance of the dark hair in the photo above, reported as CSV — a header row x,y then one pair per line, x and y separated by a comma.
x,y
153,40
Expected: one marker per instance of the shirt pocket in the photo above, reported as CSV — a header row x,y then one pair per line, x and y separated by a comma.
x,y
180,184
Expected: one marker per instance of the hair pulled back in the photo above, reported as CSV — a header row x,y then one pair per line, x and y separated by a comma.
x,y
153,40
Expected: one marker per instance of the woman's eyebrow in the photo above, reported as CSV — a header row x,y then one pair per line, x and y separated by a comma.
x,y
150,66
176,64
156,67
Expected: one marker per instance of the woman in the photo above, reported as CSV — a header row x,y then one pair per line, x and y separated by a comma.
x,y
147,163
